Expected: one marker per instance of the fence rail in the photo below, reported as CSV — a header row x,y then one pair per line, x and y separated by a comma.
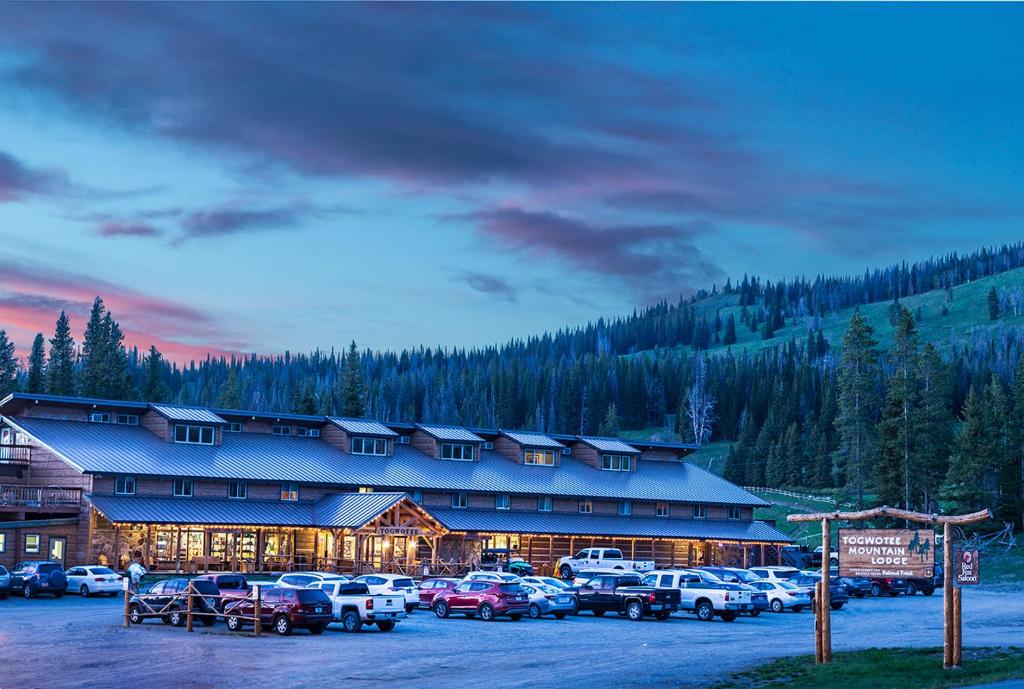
x,y
799,496
137,607
42,497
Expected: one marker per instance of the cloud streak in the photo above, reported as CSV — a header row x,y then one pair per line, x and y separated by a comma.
x,y
490,285
18,180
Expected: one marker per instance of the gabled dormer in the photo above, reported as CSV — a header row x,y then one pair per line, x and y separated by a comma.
x,y
447,442
607,454
534,449
184,425
360,436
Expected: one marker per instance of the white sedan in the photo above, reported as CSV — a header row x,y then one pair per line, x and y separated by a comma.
x,y
497,577
783,595
91,579
392,584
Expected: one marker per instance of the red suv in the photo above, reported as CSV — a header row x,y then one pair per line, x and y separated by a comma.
x,y
429,588
489,599
284,610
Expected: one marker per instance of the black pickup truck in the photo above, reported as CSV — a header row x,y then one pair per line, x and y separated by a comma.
x,y
623,593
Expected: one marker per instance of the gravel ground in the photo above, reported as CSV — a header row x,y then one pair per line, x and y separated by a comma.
x,y
73,643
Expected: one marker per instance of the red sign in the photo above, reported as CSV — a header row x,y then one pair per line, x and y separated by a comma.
x,y
967,568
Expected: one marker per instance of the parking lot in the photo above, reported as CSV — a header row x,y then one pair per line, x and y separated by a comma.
x,y
80,643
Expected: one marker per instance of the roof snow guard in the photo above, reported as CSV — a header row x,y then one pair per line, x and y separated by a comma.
x,y
452,433
532,439
362,427
187,414
609,445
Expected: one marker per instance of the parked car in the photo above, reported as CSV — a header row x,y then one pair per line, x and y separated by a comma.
x,y
283,609
887,586
549,600
393,584
782,595
856,587
624,593
775,573
585,575
925,586
301,580
5,582
816,557
169,597
596,558
702,593
553,582
505,560
353,605
498,577
487,599
744,579
429,588
231,586
838,597
33,577
89,579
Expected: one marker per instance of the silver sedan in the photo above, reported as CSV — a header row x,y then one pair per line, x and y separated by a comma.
x,y
546,600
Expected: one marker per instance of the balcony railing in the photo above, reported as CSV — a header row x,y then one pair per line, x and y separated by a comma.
x,y
15,454
41,498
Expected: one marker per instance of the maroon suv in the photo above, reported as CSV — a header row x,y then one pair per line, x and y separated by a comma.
x,y
284,610
429,588
488,599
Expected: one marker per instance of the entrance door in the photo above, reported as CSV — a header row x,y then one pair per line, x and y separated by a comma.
x,y
58,548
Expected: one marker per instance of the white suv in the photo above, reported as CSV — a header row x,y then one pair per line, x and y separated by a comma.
x,y
301,580
392,585
776,573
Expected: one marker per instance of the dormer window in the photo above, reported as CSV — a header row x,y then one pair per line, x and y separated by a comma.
x,y
616,462
586,506
128,419
733,512
460,501
362,445
183,488
700,512
282,430
290,492
99,417
124,485
233,427
457,452
539,457
301,431
661,509
193,435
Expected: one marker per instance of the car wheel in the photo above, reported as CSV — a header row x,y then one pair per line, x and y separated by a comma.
x,y
234,623
350,621
911,588
837,606
208,620
928,591
84,591
777,605
441,609
386,625
728,616
559,615
535,612
135,615
876,590
409,609
565,571
487,612
28,591
282,625
635,611
177,618
599,613
317,628
58,594
705,611
663,615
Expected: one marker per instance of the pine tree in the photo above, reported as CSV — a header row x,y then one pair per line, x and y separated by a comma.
x,y
352,393
154,389
95,344
993,305
60,369
730,331
610,425
36,379
1000,480
307,402
934,428
8,365
898,456
858,369
1017,437
964,489
231,392
116,383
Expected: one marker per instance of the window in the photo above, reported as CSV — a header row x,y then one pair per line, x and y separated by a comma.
x,y
616,462
314,433
404,439
3,543
541,457
32,541
460,500
183,488
734,512
700,511
365,489
124,485
282,430
290,491
488,445
502,501
193,435
544,503
369,446
586,506
462,453
301,431
417,496
99,417
233,427
237,490
661,509
567,451
128,419
625,508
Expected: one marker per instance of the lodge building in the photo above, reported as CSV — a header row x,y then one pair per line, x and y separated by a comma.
x,y
188,488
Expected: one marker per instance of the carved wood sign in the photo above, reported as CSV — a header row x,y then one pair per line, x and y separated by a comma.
x,y
400,531
887,553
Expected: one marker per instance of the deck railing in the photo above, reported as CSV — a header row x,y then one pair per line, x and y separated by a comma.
x,y
33,496
15,454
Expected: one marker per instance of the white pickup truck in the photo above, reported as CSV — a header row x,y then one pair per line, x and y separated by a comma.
x,y
353,605
600,558
699,595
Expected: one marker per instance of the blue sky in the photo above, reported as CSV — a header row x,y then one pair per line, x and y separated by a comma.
x,y
255,178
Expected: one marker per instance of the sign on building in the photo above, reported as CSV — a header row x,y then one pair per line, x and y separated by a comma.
x,y
895,553
968,568
400,531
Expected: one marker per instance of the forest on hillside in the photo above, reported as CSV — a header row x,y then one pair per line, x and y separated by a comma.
x,y
906,426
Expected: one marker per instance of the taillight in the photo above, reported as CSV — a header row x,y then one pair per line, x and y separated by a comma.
x,y
369,604
650,597
726,595
98,579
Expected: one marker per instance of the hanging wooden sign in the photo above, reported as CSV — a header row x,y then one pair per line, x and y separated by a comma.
x,y
887,553
968,568
400,531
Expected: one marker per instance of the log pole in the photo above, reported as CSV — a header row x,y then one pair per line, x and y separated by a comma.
x,y
188,606
826,592
947,597
257,625
958,630
127,599
818,646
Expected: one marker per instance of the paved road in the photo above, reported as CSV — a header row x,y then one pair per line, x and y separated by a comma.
x,y
75,643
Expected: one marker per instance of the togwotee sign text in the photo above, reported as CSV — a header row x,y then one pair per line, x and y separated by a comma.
x,y
887,553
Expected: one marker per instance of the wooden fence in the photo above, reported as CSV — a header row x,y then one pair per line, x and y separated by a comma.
x,y
137,608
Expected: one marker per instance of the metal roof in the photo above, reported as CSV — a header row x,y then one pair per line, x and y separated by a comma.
x,y
450,433
187,414
609,445
117,449
269,415
528,439
601,525
362,427
353,510
80,401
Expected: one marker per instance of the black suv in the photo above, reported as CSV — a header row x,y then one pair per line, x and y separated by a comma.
x,y
168,596
39,576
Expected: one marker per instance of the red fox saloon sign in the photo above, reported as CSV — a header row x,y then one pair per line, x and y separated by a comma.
x,y
896,553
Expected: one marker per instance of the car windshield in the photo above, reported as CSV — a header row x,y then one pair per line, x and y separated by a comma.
x,y
557,583
511,588
403,583
48,568
102,570
312,596
543,588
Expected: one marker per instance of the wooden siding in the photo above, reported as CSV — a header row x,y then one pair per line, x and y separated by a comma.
x,y
425,443
506,447
157,425
336,437
656,455
75,550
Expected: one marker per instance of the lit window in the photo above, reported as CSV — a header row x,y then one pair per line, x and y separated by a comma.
x,y
700,511
460,500
193,435
502,501
540,457
544,503
734,512
586,506
616,462
290,491
3,543
32,541
128,419
183,488
365,489
458,452
99,417
237,490
233,427
625,508
369,446
661,509
282,430
124,485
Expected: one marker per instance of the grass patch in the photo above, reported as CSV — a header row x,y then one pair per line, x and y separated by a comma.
x,y
998,567
883,668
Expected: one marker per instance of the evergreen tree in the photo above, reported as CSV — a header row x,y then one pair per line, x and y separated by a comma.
x,y
857,401
966,487
610,426
95,344
231,392
306,404
1000,479
36,379
898,456
60,369
993,304
8,365
352,393
1017,438
154,389
117,383
934,428
730,331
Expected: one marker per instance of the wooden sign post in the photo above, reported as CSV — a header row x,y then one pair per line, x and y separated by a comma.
x,y
952,650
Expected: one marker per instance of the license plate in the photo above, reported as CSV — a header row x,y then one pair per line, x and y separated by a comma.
x,y
319,609
563,599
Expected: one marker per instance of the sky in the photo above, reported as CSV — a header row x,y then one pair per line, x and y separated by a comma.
x,y
236,178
